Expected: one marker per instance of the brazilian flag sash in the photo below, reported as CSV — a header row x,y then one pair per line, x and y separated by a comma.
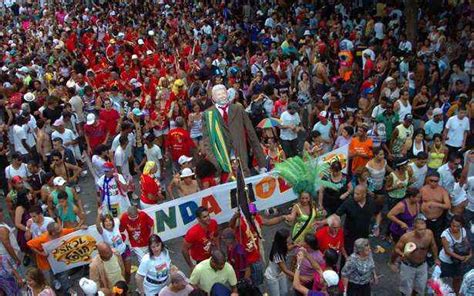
x,y
216,139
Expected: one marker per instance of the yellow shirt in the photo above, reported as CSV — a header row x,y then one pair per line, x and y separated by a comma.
x,y
113,270
205,276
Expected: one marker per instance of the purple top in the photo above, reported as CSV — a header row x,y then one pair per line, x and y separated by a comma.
x,y
405,217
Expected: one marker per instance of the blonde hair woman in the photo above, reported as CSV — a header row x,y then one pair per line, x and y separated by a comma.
x,y
150,187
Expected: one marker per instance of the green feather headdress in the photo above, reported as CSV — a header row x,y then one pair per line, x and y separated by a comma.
x,y
304,176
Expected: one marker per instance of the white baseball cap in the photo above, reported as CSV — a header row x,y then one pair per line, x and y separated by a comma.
x,y
29,97
140,41
184,159
331,278
90,119
187,172
59,181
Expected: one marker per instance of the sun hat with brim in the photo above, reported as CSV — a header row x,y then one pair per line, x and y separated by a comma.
x,y
184,159
187,172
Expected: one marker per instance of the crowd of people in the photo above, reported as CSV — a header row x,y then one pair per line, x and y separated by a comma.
x,y
118,91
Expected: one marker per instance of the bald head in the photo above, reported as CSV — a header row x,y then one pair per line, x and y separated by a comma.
x,y
105,252
360,193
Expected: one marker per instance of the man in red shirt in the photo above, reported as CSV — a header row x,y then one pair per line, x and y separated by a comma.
x,y
331,236
200,239
249,236
95,132
179,142
139,227
111,117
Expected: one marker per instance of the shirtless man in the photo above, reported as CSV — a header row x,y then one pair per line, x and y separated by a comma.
x,y
184,184
435,203
64,169
414,269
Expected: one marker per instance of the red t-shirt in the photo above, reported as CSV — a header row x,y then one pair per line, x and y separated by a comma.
x,y
139,230
201,240
326,241
96,133
148,186
179,142
251,243
110,117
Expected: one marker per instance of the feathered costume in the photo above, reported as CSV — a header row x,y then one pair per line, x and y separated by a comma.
x,y
304,176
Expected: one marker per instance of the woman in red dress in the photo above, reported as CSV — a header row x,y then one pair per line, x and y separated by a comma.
x,y
150,186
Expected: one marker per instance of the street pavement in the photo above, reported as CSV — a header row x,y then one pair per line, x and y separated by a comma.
x,y
387,286
388,283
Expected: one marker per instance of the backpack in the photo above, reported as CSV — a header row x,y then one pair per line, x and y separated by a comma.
x,y
257,112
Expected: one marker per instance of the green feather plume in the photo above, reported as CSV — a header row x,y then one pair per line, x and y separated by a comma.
x,y
304,176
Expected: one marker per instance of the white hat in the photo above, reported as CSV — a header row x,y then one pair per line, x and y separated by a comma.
x,y
90,119
121,35
259,12
151,33
29,97
331,278
437,111
59,181
389,78
184,159
58,122
186,172
149,52
307,33
70,83
24,69
134,57
140,41
4,68
89,287
323,114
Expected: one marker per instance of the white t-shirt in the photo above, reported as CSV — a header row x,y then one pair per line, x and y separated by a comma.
x,y
19,134
113,237
419,174
121,160
325,130
469,187
456,128
30,128
118,203
98,165
11,172
154,154
156,269
450,238
288,119
458,195
377,111
37,229
67,136
378,29
116,142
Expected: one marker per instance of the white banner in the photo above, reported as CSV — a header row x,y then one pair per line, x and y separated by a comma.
x,y
72,250
173,218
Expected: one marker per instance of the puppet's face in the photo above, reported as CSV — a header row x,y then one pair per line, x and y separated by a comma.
x,y
219,95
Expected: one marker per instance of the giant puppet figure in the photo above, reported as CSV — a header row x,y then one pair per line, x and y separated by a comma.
x,y
228,131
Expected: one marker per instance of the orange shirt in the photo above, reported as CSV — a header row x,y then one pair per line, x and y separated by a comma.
x,y
356,146
37,243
